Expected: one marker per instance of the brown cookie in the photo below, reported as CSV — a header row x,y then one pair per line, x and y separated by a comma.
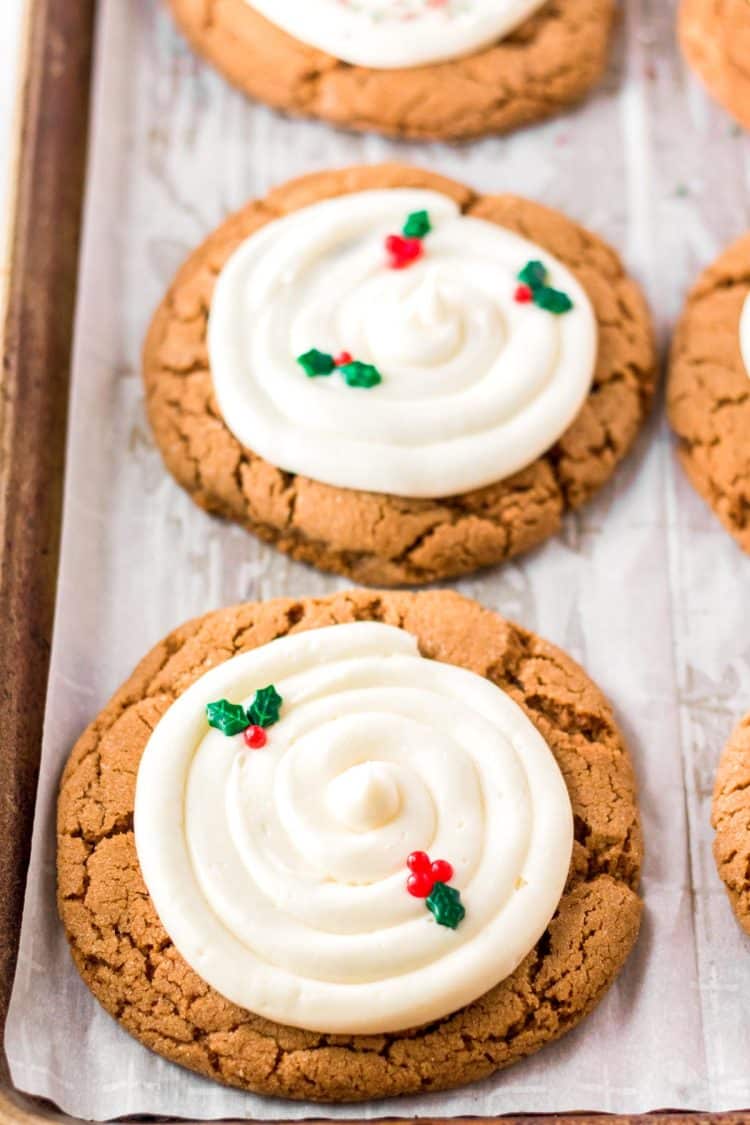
x,y
730,816
369,537
553,59
708,394
129,963
715,38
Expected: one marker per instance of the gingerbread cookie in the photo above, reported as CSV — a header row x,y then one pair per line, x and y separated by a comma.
x,y
403,381
715,38
350,847
731,819
708,396
448,70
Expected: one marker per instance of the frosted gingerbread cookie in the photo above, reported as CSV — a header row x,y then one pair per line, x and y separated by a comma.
x,y
731,819
413,68
391,377
350,847
715,38
708,395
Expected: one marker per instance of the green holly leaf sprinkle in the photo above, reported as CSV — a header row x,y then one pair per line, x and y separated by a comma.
x,y
533,274
445,903
315,363
229,718
361,374
417,225
265,707
553,300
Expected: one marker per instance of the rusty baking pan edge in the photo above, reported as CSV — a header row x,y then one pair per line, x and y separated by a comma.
x,y
36,345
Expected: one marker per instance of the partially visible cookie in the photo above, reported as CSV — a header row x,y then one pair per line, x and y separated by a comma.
x,y
731,819
370,535
715,37
129,962
708,394
552,58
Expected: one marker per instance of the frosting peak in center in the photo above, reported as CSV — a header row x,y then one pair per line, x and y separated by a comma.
x,y
364,797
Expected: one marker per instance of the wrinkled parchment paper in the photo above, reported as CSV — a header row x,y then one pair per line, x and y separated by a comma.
x,y
643,587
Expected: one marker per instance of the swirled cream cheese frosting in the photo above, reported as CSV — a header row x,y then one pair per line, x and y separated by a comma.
x,y
745,334
280,873
385,34
474,385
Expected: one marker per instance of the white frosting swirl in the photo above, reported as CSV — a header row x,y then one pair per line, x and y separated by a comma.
x,y
475,385
385,34
280,874
745,334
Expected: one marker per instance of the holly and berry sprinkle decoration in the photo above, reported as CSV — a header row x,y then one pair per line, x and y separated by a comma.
x,y
403,250
408,247
429,880
532,286
232,718
356,374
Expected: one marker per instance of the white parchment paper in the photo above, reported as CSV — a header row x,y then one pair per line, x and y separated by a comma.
x,y
643,587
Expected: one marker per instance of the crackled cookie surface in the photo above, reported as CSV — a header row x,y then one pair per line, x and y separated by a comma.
x,y
457,69
709,389
731,820
125,953
397,407
715,37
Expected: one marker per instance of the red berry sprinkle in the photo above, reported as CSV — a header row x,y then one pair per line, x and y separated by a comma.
x,y
255,737
402,252
425,874
419,863
420,884
523,295
441,871
344,358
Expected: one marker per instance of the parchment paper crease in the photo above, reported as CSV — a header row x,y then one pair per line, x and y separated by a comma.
x,y
643,587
